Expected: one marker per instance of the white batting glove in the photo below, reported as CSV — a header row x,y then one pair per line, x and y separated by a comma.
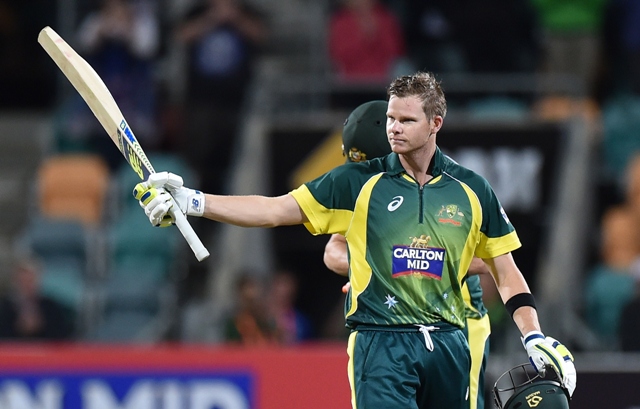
x,y
155,194
545,351
156,203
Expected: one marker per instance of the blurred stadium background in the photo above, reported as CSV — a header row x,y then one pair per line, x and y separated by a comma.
x,y
149,321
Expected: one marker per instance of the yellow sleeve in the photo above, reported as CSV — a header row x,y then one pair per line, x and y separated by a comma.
x,y
321,219
491,247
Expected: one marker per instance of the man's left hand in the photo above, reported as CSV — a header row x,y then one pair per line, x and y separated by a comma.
x,y
545,351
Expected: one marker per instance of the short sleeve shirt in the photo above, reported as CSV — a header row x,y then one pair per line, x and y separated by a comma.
x,y
409,246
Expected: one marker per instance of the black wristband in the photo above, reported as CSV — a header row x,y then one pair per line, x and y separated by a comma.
x,y
519,300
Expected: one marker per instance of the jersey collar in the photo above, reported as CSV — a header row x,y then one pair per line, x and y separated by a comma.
x,y
436,167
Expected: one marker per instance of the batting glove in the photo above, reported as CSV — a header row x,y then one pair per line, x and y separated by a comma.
x,y
156,193
156,203
545,351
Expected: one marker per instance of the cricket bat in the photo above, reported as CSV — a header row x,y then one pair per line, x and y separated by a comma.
x,y
95,93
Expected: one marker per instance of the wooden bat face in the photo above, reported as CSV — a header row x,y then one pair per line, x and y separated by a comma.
x,y
95,93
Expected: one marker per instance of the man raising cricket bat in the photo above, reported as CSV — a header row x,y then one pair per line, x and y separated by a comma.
x,y
413,221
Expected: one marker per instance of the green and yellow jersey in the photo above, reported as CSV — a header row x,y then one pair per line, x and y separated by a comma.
x,y
409,246
472,295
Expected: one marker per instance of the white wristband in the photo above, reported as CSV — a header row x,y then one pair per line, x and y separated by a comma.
x,y
532,338
195,203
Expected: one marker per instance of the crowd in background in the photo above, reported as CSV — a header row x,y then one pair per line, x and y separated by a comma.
x,y
595,43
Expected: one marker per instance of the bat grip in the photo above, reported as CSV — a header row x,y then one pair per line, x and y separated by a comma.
x,y
187,231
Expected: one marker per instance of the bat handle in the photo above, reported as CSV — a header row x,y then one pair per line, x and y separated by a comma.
x,y
187,231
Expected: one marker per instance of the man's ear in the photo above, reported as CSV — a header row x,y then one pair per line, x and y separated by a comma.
x,y
437,124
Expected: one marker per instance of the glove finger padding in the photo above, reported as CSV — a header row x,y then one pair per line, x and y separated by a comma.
x,y
158,210
140,189
569,375
165,179
156,203
548,351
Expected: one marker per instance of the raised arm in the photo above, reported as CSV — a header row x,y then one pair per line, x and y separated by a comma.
x,y
245,211
254,211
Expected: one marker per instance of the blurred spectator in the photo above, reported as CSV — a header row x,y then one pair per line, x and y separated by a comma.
x,y
250,324
366,42
223,39
571,37
613,282
629,327
120,40
26,314
292,325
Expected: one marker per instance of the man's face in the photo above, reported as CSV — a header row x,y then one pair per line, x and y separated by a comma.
x,y
408,128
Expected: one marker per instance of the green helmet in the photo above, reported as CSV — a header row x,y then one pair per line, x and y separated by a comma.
x,y
364,135
522,387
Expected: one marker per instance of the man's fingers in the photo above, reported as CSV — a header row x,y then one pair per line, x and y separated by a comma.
x,y
140,189
158,179
154,198
165,179
156,204
157,213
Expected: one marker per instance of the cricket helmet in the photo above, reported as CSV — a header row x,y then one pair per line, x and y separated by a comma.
x,y
364,135
522,387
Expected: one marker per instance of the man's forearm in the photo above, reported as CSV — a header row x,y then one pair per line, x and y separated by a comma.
x,y
526,319
510,283
254,211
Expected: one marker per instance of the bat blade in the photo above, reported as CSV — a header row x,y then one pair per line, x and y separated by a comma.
x,y
97,96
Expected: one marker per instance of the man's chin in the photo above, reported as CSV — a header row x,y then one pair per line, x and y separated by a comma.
x,y
398,149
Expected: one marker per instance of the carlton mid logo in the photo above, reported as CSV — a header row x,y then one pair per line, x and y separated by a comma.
x,y
417,259
395,203
534,399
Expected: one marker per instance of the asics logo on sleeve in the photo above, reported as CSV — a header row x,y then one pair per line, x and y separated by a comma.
x,y
395,203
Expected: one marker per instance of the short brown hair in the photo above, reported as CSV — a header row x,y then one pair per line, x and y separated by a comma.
x,y
425,86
